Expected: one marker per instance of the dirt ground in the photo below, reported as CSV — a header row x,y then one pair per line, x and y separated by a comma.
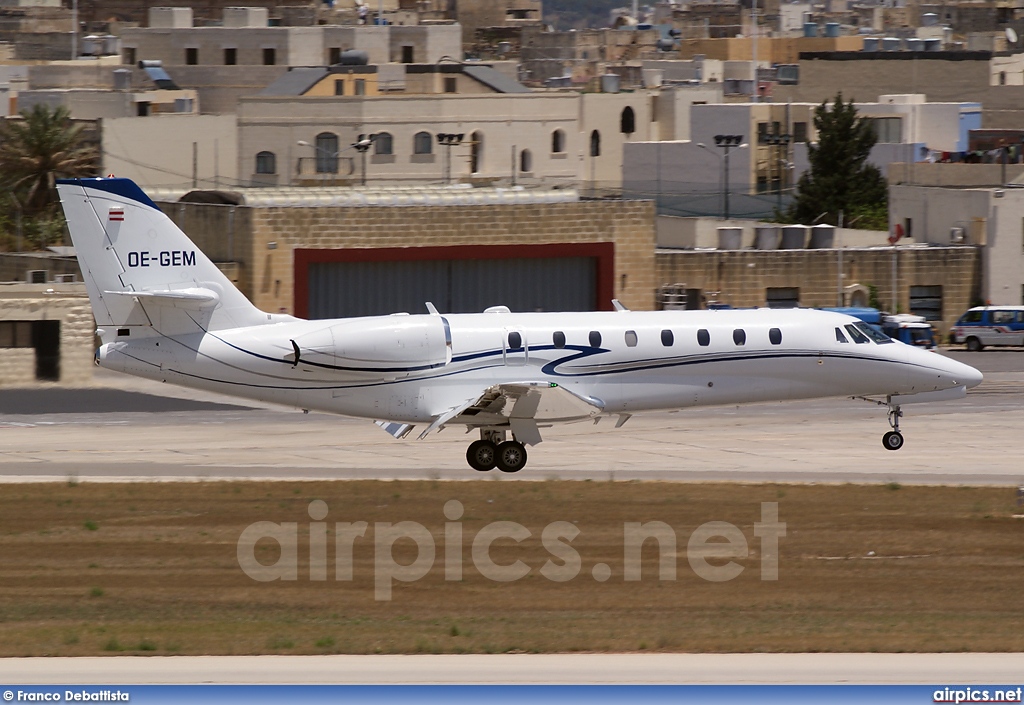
x,y
103,569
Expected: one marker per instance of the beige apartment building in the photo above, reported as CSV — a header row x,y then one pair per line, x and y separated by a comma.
x,y
247,40
550,137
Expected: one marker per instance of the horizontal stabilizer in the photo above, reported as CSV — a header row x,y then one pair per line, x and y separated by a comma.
x,y
179,298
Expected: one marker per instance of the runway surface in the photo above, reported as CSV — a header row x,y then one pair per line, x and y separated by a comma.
x,y
130,429
932,669
124,429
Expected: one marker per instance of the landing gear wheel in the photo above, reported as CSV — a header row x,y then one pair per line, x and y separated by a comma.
x,y
893,440
482,455
974,345
511,456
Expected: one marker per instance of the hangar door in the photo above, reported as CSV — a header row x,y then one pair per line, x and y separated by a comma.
x,y
341,289
338,289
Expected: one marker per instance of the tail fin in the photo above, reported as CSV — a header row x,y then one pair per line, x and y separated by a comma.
x,y
140,269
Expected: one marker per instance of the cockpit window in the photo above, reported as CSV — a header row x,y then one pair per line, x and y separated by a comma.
x,y
840,338
856,335
873,333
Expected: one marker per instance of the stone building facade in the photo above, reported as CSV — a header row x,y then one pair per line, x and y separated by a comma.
x,y
751,277
258,244
46,334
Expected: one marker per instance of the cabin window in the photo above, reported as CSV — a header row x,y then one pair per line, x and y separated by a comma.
x,y
595,339
558,338
703,337
739,336
667,338
775,336
631,338
840,338
856,335
515,340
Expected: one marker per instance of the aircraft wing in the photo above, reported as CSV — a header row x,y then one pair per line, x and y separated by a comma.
x,y
521,406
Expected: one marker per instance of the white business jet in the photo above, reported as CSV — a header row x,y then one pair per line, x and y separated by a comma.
x,y
165,312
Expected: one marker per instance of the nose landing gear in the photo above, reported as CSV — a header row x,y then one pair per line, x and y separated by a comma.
x,y
492,450
893,440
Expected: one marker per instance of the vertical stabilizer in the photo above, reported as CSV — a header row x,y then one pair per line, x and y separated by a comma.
x,y
140,269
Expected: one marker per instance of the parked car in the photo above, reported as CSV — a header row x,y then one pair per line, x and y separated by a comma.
x,y
989,325
910,329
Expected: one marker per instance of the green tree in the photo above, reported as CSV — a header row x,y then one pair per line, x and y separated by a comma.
x,y
38,148
839,178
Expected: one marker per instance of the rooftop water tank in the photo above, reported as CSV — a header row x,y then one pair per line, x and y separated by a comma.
x,y
934,44
870,43
122,80
354,57
929,19
810,29
610,83
890,43
111,44
92,45
914,44
823,237
730,238
767,237
794,237
832,29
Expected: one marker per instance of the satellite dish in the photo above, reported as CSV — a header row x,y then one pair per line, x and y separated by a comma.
x,y
1011,35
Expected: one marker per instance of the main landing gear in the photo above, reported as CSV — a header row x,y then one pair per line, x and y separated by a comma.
x,y
893,440
493,451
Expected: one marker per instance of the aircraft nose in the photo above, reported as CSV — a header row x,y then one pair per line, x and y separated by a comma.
x,y
972,376
962,374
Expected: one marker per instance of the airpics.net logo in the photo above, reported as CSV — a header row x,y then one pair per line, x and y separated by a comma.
x,y
712,549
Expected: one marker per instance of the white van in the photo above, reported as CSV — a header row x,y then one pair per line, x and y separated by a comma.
x,y
989,325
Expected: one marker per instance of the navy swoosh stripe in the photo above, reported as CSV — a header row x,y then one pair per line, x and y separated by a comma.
x,y
587,374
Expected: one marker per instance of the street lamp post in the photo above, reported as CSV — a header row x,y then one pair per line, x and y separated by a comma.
x,y
725,143
449,140
781,158
362,145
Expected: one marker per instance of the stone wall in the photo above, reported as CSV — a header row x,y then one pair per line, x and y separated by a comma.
x,y
269,278
14,266
69,305
742,276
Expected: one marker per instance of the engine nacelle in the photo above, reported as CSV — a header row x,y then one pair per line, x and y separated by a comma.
x,y
390,345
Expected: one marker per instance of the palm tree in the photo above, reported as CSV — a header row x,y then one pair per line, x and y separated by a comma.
x,y
38,149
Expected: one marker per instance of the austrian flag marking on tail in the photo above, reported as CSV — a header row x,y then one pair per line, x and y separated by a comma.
x,y
116,215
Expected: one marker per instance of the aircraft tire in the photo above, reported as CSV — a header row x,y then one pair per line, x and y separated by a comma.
x,y
482,455
893,440
511,456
